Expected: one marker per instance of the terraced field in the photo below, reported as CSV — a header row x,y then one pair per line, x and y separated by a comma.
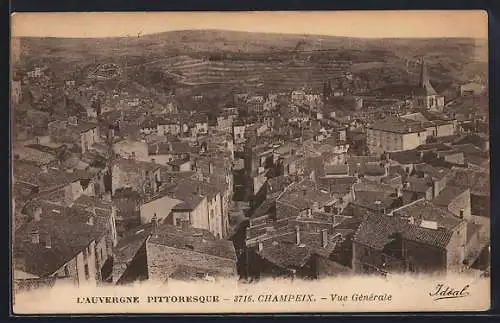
x,y
192,71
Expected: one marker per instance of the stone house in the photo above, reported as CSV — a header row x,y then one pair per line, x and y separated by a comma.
x,y
79,133
48,248
172,251
417,238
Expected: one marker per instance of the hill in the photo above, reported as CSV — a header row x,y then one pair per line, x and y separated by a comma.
x,y
200,57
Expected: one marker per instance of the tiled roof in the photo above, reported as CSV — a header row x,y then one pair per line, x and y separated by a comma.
x,y
473,139
424,210
374,200
173,147
283,251
127,248
52,178
376,231
447,195
398,125
337,169
478,182
83,126
432,171
65,243
434,146
341,185
302,196
267,207
373,186
418,184
197,240
358,163
407,157
133,165
278,184
187,273
34,155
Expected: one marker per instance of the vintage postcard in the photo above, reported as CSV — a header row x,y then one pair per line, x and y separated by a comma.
x,y
250,162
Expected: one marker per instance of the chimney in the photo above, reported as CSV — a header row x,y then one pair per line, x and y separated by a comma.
x,y
35,237
170,147
260,246
90,221
154,224
324,238
297,235
48,241
421,155
45,169
411,220
399,192
37,214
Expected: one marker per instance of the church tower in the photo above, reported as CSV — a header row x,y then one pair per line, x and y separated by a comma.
x,y
424,83
425,96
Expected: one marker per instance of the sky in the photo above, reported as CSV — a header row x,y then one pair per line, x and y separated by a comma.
x,y
369,24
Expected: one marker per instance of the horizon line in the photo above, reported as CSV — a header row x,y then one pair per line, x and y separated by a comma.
x,y
251,32
355,24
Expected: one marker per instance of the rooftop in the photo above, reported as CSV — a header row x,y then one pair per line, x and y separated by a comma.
x,y
303,195
39,260
187,273
376,231
340,185
195,240
47,178
447,195
33,155
172,147
478,182
425,211
399,125
127,248
132,165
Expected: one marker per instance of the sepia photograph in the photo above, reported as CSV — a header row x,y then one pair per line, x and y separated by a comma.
x,y
250,162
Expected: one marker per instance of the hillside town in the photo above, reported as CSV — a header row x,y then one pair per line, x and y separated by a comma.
x,y
114,183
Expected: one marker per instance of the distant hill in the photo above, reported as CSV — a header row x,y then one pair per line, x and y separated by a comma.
x,y
449,60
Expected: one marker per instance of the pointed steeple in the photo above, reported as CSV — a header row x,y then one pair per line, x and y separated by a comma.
x,y
423,73
425,84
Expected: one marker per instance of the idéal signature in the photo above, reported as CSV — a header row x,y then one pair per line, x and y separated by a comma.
x,y
443,291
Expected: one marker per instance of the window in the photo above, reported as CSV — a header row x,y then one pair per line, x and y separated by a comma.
x,y
85,253
102,257
178,222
